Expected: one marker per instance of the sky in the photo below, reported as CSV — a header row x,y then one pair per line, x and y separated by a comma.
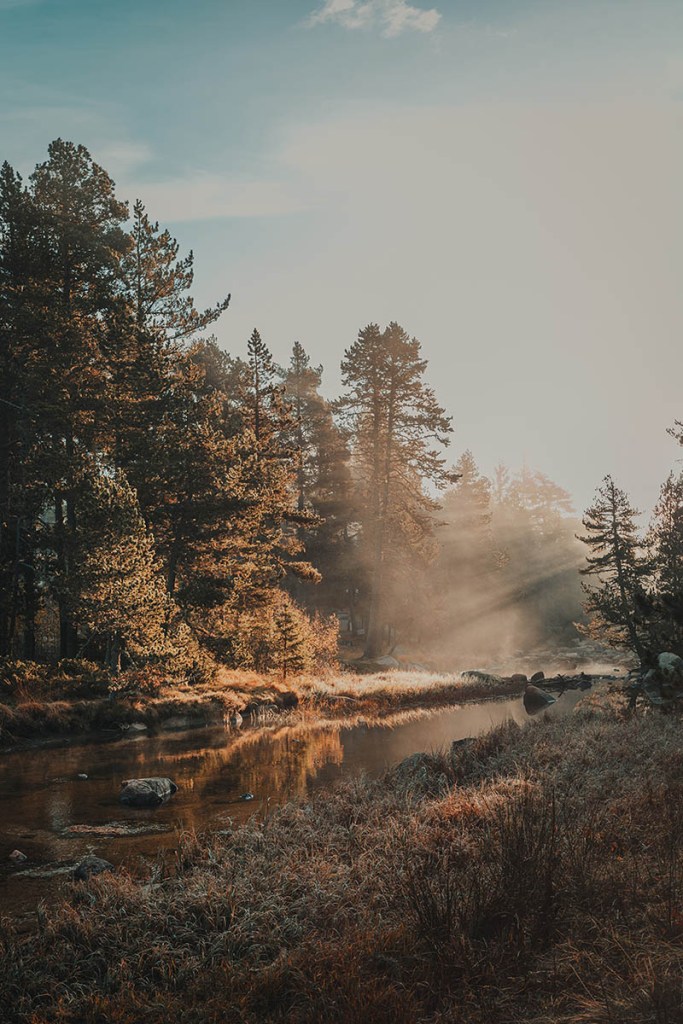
x,y
501,177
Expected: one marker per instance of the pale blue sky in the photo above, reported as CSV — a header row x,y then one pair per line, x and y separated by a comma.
x,y
501,176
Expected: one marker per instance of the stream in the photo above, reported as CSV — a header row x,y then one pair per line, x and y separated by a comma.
x,y
55,817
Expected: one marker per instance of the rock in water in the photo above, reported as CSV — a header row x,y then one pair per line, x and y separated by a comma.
x,y
386,661
247,796
146,792
535,699
236,719
671,667
474,675
538,677
91,865
17,857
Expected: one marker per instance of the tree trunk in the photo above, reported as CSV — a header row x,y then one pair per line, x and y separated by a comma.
x,y
172,574
30,607
375,640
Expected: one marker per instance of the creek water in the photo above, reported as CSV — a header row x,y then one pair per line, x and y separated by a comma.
x,y
55,817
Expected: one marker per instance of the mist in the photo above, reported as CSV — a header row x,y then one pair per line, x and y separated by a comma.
x,y
502,580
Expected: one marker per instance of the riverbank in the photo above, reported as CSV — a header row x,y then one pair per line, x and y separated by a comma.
x,y
532,874
64,705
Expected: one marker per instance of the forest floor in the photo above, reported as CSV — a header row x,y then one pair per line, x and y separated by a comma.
x,y
75,699
533,874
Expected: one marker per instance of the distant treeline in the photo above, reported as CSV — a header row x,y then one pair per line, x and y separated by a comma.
x,y
162,500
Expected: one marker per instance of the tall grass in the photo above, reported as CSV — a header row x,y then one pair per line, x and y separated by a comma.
x,y
545,885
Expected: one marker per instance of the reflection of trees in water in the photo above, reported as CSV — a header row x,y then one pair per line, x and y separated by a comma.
x,y
274,765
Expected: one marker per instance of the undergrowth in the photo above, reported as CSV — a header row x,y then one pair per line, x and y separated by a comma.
x,y
544,884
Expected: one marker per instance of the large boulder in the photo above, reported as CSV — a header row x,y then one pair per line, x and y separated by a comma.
x,y
536,699
662,685
146,792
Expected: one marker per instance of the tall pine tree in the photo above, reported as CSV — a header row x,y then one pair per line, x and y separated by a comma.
x,y
322,479
617,568
398,429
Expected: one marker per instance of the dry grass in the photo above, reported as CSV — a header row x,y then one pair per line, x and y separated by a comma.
x,y
544,884
42,702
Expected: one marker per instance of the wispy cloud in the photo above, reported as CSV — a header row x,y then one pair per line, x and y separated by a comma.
x,y
391,17
207,196
121,157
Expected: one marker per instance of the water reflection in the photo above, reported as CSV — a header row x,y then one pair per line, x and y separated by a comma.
x,y
56,818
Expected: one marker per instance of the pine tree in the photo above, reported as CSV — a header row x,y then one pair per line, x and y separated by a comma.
x,y
118,591
20,497
617,567
396,425
152,363
264,411
323,480
292,646
75,272
664,544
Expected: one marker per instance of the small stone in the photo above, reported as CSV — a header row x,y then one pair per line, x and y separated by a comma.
x,y
236,720
17,857
81,775
247,796
537,677
91,865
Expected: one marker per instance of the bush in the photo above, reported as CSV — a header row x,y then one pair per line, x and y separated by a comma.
x,y
21,678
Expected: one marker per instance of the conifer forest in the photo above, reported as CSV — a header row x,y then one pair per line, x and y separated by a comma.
x,y
165,501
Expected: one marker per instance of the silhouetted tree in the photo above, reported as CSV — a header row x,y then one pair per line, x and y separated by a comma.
x,y
617,568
